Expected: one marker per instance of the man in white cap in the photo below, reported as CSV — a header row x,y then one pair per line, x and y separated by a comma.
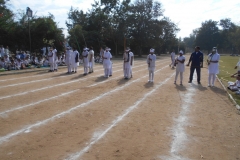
x,y
172,59
126,64
180,67
85,60
213,60
151,58
68,59
106,62
91,60
51,59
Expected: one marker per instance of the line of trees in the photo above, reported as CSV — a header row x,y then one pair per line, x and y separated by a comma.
x,y
14,30
223,34
140,25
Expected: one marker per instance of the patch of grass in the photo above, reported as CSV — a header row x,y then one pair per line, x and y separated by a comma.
x,y
226,67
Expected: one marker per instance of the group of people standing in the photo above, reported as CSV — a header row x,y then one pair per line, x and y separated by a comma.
x,y
196,60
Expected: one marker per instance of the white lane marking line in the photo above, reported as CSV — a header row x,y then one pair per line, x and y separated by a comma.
x,y
179,134
28,129
47,87
46,79
45,74
95,138
63,94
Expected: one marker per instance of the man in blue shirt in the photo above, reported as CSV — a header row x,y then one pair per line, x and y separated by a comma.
x,y
196,60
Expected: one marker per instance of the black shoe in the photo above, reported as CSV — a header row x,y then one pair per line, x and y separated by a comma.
x,y
110,75
199,82
189,81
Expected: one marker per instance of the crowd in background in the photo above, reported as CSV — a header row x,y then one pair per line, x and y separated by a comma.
x,y
22,59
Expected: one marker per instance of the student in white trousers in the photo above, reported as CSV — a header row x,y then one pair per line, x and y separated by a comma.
x,y
151,59
85,60
213,68
180,67
126,64
107,62
76,59
55,59
51,60
91,60
131,61
68,59
172,59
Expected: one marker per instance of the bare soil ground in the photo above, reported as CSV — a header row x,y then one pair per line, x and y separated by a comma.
x,y
51,116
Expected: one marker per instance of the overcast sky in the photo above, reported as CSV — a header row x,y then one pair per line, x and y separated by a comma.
x,y
187,14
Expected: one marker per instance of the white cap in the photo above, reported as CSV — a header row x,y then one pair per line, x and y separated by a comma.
x,y
181,51
85,49
128,49
108,49
214,49
152,50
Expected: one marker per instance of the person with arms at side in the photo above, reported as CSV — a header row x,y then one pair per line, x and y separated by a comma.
x,y
68,59
213,69
107,62
196,60
91,60
172,59
151,58
126,64
85,60
180,68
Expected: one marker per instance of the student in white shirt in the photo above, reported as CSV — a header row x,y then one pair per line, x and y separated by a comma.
x,y
85,60
180,67
126,64
213,68
107,62
91,60
151,59
172,59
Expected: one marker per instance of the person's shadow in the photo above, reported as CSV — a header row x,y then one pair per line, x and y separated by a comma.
x,y
100,79
180,87
199,87
123,81
77,77
148,84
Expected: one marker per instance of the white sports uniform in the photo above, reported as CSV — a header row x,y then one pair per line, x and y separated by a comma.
x,y
91,61
107,63
85,61
68,60
173,59
151,58
55,59
131,58
126,65
213,68
180,68
51,60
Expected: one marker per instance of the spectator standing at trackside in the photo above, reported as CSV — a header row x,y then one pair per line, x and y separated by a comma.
x,y
196,60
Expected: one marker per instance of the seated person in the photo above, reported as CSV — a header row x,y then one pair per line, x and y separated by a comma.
x,y
234,86
39,63
45,63
11,65
18,64
2,64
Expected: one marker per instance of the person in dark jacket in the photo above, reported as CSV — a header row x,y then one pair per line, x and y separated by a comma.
x,y
196,61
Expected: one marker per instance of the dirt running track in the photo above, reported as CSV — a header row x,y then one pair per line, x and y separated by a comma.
x,y
55,116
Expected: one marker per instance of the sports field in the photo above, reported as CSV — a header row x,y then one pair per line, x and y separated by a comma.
x,y
55,116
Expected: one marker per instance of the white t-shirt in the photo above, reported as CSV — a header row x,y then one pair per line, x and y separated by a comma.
x,y
152,61
180,66
173,56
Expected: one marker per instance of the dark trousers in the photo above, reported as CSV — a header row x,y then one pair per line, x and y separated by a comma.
x,y
198,69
